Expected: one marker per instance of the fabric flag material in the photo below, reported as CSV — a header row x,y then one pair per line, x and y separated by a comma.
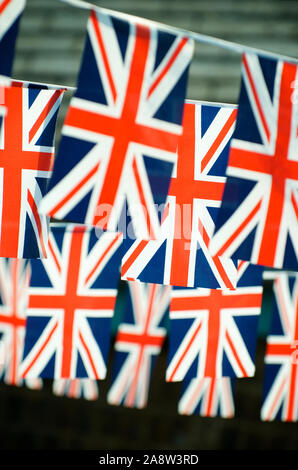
x,y
139,341
76,388
280,396
71,303
258,219
10,14
180,256
213,332
14,283
120,135
207,397
26,160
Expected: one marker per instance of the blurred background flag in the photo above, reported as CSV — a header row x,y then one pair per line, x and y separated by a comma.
x,y
140,338
14,283
280,394
207,397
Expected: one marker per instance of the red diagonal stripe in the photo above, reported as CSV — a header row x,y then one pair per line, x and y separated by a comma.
x,y
103,256
190,343
46,342
3,5
257,100
46,110
240,228
97,31
236,356
133,257
168,66
69,195
222,134
91,362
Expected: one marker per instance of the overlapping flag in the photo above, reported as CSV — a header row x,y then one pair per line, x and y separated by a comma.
x,y
180,255
280,397
208,397
26,161
258,219
10,15
14,283
86,389
121,132
213,332
187,202
72,297
140,338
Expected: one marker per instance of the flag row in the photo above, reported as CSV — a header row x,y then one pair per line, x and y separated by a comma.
x,y
187,202
204,184
59,328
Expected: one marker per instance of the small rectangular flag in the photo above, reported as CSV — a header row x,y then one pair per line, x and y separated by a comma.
x,y
180,255
258,219
10,14
280,395
213,332
14,284
207,397
120,135
76,388
72,296
26,160
139,341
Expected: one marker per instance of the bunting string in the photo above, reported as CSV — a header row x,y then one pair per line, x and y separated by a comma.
x,y
198,37
233,46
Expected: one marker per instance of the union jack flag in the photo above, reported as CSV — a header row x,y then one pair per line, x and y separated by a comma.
x,y
258,220
213,332
207,397
14,283
76,388
120,135
180,255
26,159
280,400
10,14
139,341
71,302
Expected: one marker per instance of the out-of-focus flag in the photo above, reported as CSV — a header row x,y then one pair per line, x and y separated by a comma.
x,y
213,332
280,397
139,341
258,219
71,303
14,283
180,256
207,397
76,388
120,135
10,14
